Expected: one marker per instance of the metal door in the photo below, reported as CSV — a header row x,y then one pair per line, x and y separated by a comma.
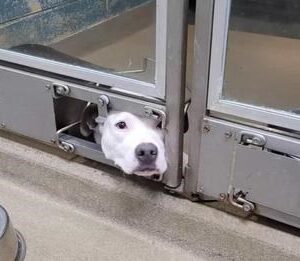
x,y
132,52
245,146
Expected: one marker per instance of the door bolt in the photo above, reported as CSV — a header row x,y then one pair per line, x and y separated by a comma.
x,y
228,134
222,197
60,90
206,128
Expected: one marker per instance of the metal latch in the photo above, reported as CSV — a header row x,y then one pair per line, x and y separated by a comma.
x,y
102,109
238,200
63,145
255,139
156,114
186,117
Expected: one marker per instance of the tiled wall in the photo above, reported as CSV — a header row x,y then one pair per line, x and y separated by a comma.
x,y
48,21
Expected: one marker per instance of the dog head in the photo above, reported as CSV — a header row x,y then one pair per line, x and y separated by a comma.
x,y
134,144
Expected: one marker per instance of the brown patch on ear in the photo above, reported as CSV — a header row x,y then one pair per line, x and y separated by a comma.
x,y
88,119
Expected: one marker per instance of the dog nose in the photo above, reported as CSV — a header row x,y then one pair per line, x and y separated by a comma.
x,y
146,153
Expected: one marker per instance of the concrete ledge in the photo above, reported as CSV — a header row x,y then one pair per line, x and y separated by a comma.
x,y
142,206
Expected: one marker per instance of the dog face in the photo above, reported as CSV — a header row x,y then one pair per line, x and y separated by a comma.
x,y
134,144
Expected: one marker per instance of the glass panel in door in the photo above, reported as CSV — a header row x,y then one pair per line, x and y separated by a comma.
x,y
263,54
113,36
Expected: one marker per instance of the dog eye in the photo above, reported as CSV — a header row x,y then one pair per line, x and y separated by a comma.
x,y
121,125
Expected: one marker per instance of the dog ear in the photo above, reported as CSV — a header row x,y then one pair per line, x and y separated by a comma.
x,y
88,119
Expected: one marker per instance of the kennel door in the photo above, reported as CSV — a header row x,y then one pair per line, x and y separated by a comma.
x,y
245,147
115,43
130,51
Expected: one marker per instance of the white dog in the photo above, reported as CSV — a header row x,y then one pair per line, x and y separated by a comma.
x,y
134,144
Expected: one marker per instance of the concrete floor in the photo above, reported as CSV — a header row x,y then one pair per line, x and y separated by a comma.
x,y
57,231
74,209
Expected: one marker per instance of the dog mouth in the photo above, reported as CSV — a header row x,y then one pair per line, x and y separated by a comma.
x,y
150,173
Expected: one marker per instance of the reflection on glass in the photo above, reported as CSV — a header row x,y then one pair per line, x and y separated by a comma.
x,y
263,56
116,36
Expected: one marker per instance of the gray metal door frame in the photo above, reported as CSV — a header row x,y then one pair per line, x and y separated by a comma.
x,y
198,109
216,164
116,82
127,94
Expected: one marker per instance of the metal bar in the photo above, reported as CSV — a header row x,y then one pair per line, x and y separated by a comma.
x,y
202,46
257,114
117,102
161,46
115,81
86,149
218,50
175,88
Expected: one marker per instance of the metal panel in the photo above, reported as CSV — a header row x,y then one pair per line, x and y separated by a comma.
x,y
203,26
116,101
278,215
270,179
26,106
175,87
216,155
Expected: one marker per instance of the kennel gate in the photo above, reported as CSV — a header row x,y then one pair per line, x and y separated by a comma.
x,y
244,145
52,67
59,57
